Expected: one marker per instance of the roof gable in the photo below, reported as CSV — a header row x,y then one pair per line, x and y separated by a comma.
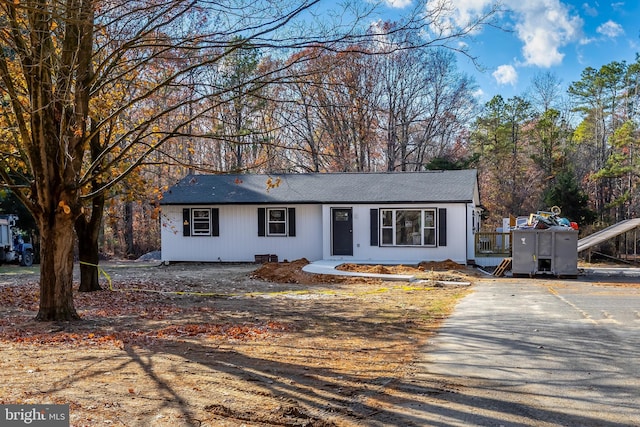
x,y
391,187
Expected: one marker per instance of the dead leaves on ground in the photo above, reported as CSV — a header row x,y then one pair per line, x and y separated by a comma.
x,y
123,318
220,332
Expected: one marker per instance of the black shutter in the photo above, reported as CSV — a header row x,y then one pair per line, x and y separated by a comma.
x,y
442,227
373,224
186,222
292,221
262,220
215,222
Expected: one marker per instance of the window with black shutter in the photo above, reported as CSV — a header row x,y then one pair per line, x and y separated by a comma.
x,y
407,227
277,222
200,222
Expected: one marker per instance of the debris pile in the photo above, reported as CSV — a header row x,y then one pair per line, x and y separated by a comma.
x,y
542,220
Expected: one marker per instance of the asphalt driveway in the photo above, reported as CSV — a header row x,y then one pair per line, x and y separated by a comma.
x,y
532,353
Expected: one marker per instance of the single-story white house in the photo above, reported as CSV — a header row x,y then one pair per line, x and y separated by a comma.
x,y
403,217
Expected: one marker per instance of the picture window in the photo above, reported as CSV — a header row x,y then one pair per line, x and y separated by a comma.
x,y
408,227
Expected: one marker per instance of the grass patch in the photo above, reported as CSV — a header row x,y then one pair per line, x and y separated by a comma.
x,y
16,269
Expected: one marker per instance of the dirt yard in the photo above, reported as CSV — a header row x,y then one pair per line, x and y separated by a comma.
x,y
223,345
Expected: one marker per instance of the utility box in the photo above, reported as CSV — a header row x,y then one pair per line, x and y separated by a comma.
x,y
550,251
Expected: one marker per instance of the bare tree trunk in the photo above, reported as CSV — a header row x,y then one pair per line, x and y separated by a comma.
x,y
88,266
88,229
128,229
88,232
56,268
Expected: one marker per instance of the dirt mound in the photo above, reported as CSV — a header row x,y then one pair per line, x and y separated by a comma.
x,y
291,272
448,270
378,269
440,265
363,268
403,269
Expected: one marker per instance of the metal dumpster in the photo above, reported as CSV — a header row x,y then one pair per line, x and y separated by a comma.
x,y
550,251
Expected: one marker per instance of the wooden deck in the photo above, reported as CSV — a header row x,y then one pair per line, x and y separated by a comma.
x,y
491,244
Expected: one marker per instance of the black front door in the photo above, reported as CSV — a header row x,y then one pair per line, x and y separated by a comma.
x,y
342,231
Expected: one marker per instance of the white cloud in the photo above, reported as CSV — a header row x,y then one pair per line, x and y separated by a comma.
x,y
397,4
506,74
450,15
586,40
543,26
610,29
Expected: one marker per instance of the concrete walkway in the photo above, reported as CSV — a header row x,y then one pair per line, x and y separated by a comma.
x,y
329,267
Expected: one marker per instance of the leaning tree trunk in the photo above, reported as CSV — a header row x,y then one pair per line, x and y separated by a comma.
x,y
88,231
56,268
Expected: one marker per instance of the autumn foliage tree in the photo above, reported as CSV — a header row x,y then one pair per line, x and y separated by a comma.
x,y
57,58
46,71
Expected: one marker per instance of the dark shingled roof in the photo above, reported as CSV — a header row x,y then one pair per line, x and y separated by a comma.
x,y
391,187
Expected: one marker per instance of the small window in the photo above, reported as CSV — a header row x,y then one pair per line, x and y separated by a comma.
x,y
201,222
387,227
341,215
277,222
429,227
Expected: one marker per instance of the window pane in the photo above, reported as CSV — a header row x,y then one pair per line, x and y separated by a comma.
x,y
201,213
341,215
276,215
276,228
387,236
387,218
429,218
408,228
429,236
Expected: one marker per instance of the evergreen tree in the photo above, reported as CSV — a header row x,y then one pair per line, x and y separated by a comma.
x,y
567,194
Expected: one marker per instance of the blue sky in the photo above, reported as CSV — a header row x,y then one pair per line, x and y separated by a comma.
x,y
558,36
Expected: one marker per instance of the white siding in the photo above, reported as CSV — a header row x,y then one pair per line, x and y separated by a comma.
x,y
457,238
239,240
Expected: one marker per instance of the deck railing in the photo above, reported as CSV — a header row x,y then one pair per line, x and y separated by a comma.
x,y
490,244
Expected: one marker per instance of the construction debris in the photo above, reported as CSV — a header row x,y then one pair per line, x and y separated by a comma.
x,y
542,220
